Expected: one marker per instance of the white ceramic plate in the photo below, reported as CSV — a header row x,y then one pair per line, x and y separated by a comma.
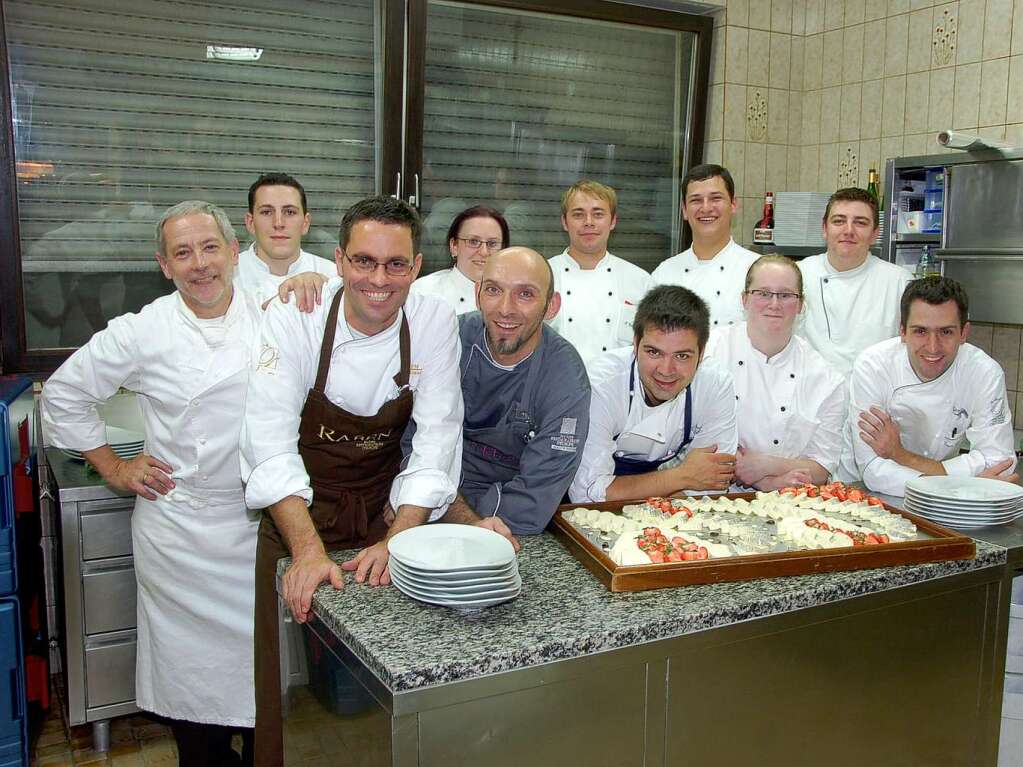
x,y
458,575
945,510
460,605
980,505
430,580
966,488
456,595
451,547
963,521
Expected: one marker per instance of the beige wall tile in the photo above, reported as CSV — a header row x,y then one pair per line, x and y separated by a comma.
x,y
712,152
897,6
717,57
733,157
967,96
876,9
735,112
830,114
854,11
827,175
1014,134
796,63
891,147
870,108
1014,105
832,58
737,13
809,165
834,14
810,134
849,125
814,17
915,4
715,112
940,98
918,53
1005,343
756,114
980,335
896,40
997,28
1017,27
736,54
776,179
996,132
944,34
870,157
793,169
756,170
780,60
873,49
781,16
751,211
970,33
893,106
994,91
918,143
852,57
760,15
799,17
848,171
759,57
778,116
917,88
813,58
795,121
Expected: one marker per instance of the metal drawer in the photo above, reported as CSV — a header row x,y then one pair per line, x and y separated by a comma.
x,y
109,600
110,674
106,534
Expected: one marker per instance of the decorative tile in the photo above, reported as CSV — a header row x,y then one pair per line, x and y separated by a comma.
x,y
997,28
893,108
849,124
781,57
852,54
970,32
920,41
848,166
870,109
873,49
832,58
943,42
756,115
759,57
917,88
966,100
896,43
940,98
994,83
781,16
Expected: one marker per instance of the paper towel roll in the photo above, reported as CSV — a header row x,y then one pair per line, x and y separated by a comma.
x,y
968,141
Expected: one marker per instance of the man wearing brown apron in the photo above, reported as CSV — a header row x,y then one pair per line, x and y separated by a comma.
x,y
327,405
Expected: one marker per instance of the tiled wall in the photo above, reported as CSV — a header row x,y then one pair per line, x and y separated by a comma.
x,y
1003,342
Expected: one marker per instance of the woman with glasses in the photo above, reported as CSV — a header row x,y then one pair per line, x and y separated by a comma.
x,y
475,234
790,404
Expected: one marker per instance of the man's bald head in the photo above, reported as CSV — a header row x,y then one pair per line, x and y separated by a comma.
x,y
523,265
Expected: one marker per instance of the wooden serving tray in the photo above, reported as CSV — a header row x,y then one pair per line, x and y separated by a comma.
x,y
943,545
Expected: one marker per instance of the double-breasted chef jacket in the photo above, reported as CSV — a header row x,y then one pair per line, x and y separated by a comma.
x,y
624,426
966,403
792,405
597,305
525,427
194,548
845,312
451,286
719,281
253,275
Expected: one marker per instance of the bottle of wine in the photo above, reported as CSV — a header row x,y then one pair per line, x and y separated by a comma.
x,y
763,232
872,188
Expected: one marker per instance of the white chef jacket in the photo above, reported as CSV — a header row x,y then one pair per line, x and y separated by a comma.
x,y
253,275
845,312
360,380
792,405
966,402
450,286
645,432
719,281
597,305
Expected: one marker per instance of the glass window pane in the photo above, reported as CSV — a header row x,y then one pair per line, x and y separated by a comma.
x,y
519,106
123,108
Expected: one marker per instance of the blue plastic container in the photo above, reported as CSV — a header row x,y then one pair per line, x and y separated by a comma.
x,y
13,718
15,407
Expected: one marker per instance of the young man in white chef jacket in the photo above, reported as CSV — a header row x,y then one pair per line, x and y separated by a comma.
x,y
277,219
714,267
599,291
852,296
915,399
187,356
662,418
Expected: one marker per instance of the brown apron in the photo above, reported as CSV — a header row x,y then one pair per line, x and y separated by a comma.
x,y
351,461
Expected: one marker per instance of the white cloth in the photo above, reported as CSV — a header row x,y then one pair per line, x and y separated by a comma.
x,y
719,281
597,305
792,405
194,548
360,380
966,402
450,286
644,432
848,311
253,275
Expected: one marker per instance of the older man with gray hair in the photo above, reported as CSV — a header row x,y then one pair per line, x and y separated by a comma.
x,y
187,357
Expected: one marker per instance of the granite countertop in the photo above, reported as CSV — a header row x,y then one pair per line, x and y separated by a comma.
x,y
564,612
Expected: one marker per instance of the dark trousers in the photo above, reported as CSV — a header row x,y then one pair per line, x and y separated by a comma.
x,y
209,745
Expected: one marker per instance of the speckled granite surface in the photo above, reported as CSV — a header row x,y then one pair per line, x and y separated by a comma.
x,y
564,612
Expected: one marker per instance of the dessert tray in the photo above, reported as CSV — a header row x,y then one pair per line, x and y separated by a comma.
x,y
661,542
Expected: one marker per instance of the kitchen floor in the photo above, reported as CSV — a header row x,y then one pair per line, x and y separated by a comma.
x,y
139,741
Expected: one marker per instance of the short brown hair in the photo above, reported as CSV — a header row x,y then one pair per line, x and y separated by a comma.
x,y
853,194
707,171
935,291
775,258
669,308
594,189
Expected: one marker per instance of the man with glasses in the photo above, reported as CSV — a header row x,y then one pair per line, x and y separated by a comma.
x,y
327,406
662,418
599,291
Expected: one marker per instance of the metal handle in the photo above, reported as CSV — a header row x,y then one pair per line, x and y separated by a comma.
x,y
413,199
397,186
979,254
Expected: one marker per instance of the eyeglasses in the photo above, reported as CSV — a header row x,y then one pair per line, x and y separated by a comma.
x,y
395,267
765,296
476,243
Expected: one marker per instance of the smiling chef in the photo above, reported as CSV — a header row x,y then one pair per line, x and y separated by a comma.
x,y
916,398
662,418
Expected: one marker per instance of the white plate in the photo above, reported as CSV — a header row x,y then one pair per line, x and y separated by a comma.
x,y
966,488
458,575
432,581
964,522
451,547
936,499
946,511
455,595
466,605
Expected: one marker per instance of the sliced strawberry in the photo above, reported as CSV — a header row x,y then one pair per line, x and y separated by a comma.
x,y
655,556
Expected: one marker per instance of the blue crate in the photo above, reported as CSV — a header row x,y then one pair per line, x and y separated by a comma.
x,y
15,406
13,717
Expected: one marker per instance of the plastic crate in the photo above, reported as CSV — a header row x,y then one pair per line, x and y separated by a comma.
x,y
13,719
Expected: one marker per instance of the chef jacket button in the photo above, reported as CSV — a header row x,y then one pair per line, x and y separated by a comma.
x,y
715,322
775,442
722,268
569,319
719,292
783,408
792,375
202,440
741,362
462,299
566,268
608,319
568,292
609,270
825,280
686,270
610,293
737,396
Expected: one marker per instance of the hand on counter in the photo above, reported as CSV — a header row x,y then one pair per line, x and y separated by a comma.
x,y
304,576
371,564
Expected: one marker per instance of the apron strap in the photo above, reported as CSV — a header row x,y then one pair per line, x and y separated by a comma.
x,y
404,347
327,347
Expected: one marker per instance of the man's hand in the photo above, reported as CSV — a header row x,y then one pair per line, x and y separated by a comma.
x,y
304,576
706,469
795,477
142,475
307,287
751,466
370,565
879,431
498,526
997,471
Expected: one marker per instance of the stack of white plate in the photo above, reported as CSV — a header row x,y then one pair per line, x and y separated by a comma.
x,y
458,566
127,444
797,218
964,502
